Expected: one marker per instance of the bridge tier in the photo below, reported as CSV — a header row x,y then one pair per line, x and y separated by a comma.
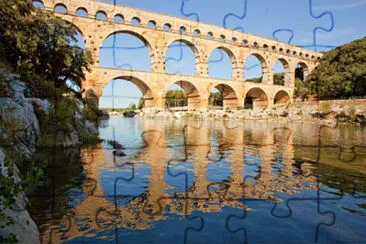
x,y
201,38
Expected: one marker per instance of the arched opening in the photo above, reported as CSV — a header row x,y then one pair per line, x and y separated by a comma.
x,y
126,93
221,63
119,18
209,35
101,15
167,27
38,4
181,58
125,50
79,40
223,95
282,97
256,98
151,24
280,72
82,12
135,21
182,30
301,87
60,8
196,33
182,95
254,68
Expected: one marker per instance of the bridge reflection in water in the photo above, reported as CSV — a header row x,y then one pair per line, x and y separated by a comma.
x,y
186,169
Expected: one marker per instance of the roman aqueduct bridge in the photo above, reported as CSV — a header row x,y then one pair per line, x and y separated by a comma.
x,y
158,31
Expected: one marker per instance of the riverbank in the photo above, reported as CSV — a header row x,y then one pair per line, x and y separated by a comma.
x,y
341,111
27,123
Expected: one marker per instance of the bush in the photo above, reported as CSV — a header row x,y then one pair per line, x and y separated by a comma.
x,y
326,108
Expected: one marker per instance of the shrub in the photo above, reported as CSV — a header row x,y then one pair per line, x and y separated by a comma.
x,y
325,108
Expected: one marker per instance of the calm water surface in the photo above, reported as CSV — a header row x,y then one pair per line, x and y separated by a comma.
x,y
210,181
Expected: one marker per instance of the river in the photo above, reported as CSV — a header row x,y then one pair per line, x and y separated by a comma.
x,y
212,181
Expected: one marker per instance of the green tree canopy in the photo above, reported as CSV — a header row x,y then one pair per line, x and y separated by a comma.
x,y
342,72
38,46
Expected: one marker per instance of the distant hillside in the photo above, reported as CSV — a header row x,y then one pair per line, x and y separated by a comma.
x,y
341,73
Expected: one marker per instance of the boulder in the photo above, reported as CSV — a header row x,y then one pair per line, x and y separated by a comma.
x,y
24,228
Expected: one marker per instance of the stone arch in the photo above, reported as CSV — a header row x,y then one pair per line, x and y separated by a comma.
x,y
263,63
118,18
147,94
61,5
256,98
79,11
79,31
192,47
38,3
230,99
285,79
232,58
101,15
191,92
133,33
304,70
282,97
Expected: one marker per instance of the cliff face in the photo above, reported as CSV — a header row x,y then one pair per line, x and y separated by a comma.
x,y
20,134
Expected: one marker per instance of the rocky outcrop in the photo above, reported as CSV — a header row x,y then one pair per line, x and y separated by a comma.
x,y
23,226
22,122
20,132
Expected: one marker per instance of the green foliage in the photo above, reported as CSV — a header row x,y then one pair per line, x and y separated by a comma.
x,y
91,110
279,79
176,98
326,108
60,118
256,80
9,190
301,90
215,99
342,72
38,46
141,103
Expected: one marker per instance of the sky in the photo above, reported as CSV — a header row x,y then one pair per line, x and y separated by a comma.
x,y
314,24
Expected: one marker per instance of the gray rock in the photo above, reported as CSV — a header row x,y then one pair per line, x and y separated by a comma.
x,y
90,127
24,227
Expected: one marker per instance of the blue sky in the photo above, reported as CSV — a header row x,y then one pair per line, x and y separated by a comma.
x,y
334,22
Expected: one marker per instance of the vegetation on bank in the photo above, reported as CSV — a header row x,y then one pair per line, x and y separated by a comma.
x,y
341,73
41,49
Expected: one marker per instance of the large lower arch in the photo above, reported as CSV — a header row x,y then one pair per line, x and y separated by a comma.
x,y
229,97
256,98
193,96
110,51
147,94
282,97
187,62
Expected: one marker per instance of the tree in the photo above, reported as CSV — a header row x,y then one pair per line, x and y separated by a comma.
x,y
279,79
141,103
342,72
176,98
215,99
38,45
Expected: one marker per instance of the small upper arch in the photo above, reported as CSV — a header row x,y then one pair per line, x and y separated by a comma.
x,y
82,12
60,8
38,4
101,15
